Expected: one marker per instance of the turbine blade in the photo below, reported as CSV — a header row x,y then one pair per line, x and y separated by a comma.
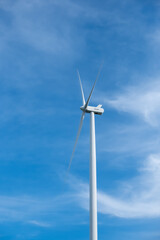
x,y
83,99
79,130
93,86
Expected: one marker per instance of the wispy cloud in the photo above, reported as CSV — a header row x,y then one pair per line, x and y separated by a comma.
x,y
136,198
132,139
39,224
142,100
36,211
30,22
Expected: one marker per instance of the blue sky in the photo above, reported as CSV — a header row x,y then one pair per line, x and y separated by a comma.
x,y
42,44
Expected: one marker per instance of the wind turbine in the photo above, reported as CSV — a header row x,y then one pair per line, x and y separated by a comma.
x,y
93,176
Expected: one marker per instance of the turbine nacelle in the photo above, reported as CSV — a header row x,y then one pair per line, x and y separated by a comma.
x,y
97,110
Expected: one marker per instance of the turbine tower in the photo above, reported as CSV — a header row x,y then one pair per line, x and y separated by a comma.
x,y
93,175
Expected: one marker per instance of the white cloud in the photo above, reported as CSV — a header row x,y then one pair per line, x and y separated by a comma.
x,y
138,198
133,139
45,26
57,27
40,224
141,100
37,211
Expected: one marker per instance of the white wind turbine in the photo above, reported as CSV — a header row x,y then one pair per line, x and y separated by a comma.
x,y
93,176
